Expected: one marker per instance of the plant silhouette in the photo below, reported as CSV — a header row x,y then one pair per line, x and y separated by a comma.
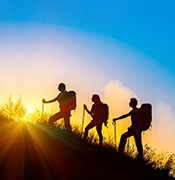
x,y
14,110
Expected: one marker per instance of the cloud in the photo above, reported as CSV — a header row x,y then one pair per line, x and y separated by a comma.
x,y
162,134
118,96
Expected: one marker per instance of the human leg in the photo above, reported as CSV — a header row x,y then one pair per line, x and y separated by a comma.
x,y
138,140
99,128
67,122
55,117
123,140
89,126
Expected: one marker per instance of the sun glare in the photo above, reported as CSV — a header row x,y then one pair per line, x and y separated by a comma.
x,y
29,111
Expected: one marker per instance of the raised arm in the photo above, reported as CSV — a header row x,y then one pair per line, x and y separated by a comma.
x,y
85,107
50,101
122,117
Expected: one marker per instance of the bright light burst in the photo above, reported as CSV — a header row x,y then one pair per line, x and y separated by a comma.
x,y
34,151
29,110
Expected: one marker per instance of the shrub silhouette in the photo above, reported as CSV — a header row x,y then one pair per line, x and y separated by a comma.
x,y
13,110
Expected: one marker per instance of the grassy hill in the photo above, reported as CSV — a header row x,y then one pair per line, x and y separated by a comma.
x,y
37,151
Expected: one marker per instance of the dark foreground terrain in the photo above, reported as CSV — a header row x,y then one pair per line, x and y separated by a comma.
x,y
36,151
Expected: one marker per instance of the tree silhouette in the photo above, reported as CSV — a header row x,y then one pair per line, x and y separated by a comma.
x,y
19,110
13,110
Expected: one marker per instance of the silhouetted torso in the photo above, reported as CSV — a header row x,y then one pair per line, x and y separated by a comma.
x,y
99,112
134,116
63,99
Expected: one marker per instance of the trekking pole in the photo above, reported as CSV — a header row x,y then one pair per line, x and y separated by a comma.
x,y
114,133
42,111
83,122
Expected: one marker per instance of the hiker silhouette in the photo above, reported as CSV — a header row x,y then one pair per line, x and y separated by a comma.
x,y
67,102
99,113
134,130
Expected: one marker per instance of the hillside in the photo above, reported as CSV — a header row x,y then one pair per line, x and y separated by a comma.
x,y
37,151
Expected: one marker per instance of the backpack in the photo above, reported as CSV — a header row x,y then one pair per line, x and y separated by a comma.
x,y
103,112
145,116
72,100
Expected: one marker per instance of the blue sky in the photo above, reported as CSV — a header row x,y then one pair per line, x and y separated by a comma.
x,y
146,25
118,49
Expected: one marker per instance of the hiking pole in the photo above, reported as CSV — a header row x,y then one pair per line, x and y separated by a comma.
x,y
114,123
83,121
42,110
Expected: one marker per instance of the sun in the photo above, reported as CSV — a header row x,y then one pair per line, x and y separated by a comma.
x,y
29,110
28,113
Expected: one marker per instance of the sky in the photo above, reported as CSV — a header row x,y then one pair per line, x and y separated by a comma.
x,y
117,49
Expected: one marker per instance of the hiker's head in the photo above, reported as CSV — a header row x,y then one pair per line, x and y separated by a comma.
x,y
96,98
133,102
61,87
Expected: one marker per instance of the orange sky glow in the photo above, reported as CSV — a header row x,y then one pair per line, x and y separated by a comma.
x,y
37,58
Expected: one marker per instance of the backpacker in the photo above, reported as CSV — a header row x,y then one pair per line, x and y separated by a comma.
x,y
145,116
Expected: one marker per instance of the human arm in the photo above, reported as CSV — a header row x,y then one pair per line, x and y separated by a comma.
x,y
50,101
85,107
122,117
